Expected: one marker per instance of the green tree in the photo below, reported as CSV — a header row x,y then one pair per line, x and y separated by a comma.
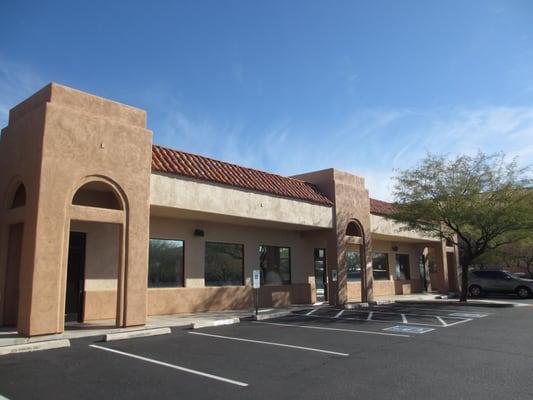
x,y
516,256
479,203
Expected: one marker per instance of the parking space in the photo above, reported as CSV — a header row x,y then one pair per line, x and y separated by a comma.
x,y
314,353
395,314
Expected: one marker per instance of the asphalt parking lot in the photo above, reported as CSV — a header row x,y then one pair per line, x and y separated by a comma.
x,y
392,351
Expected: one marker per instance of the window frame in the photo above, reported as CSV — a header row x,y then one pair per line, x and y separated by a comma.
x,y
242,268
354,280
388,265
396,271
183,264
290,265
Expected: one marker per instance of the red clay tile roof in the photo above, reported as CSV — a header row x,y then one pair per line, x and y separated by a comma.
x,y
198,167
381,207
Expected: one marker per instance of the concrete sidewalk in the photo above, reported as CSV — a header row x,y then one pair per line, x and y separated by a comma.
x,y
99,329
435,298
409,297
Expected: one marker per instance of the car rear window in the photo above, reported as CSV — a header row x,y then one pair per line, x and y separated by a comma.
x,y
490,274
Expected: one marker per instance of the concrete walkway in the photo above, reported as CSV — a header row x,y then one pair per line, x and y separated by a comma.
x,y
409,297
442,298
98,329
435,298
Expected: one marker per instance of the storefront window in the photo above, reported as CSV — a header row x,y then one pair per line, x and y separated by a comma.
x,y
165,263
275,265
380,266
224,264
402,267
353,263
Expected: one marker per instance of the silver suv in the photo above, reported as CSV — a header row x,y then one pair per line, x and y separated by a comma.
x,y
483,281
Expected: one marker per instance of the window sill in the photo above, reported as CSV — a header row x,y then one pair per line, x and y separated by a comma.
x,y
222,286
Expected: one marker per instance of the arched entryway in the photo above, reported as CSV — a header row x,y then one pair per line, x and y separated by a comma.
x,y
18,198
13,232
95,261
355,258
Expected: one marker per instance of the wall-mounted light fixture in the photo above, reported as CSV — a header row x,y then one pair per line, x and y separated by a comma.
x,y
199,232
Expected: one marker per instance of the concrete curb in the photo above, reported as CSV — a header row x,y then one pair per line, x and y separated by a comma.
x,y
215,322
471,303
136,334
380,302
34,346
265,316
355,306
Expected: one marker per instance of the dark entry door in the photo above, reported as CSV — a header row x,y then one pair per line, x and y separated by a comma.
x,y
320,275
75,277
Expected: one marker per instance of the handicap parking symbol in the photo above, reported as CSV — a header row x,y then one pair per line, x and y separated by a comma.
x,y
408,329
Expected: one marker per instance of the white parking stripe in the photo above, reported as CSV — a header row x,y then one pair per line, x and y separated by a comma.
x,y
312,311
408,314
164,364
458,322
467,315
441,321
330,329
392,322
404,319
271,344
370,314
339,313
408,309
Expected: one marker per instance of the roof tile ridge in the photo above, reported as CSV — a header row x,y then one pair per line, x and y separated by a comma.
x,y
233,164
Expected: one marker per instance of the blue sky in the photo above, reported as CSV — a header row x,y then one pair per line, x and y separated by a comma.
x,y
292,86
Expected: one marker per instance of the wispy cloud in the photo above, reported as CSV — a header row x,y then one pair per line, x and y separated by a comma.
x,y
372,142
17,82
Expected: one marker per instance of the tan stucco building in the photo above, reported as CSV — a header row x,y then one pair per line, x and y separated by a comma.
x,y
96,223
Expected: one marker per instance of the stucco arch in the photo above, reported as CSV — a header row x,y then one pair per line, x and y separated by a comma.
x,y
103,182
354,228
102,209
356,231
12,220
85,138
15,195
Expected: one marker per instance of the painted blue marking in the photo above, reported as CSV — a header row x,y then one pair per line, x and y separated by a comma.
x,y
408,329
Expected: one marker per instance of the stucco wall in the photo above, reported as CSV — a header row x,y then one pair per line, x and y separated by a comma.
x,y
61,138
20,162
380,288
386,226
413,285
412,250
101,269
101,254
351,203
179,192
195,297
83,137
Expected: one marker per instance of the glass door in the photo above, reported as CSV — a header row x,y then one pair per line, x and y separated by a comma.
x,y
320,275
